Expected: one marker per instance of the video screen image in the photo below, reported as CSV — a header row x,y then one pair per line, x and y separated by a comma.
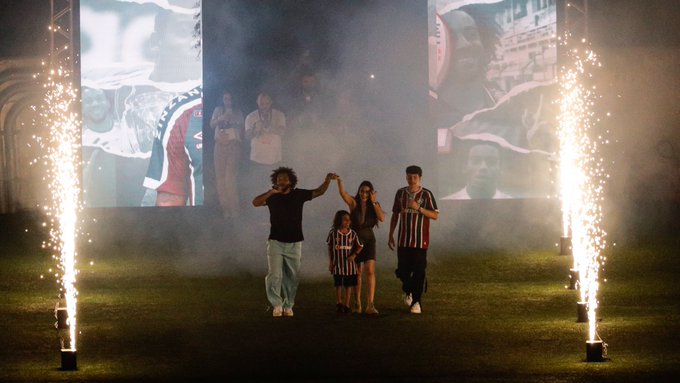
x,y
141,77
492,79
343,85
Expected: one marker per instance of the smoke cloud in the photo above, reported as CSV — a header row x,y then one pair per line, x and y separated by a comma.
x,y
370,60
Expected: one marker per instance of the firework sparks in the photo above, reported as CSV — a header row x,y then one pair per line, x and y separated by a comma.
x,y
581,174
62,146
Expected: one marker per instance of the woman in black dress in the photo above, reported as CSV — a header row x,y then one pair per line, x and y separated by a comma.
x,y
365,212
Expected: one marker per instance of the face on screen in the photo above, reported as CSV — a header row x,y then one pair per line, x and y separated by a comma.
x,y
95,105
467,57
483,167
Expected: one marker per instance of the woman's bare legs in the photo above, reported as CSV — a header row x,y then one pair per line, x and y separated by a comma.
x,y
357,289
369,271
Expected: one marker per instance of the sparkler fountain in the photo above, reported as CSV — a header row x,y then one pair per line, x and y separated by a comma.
x,y
63,147
581,185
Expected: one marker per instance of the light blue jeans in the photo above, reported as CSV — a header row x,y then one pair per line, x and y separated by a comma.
x,y
282,279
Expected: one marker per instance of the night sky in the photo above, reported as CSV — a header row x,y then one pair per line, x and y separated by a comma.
x,y
23,24
23,28
635,23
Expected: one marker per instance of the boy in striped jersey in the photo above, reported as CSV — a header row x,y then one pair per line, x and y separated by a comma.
x,y
343,247
413,208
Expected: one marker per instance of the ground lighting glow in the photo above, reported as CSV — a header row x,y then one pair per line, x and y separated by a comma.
x,y
581,172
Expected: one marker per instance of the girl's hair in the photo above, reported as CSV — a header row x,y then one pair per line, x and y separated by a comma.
x,y
371,218
337,220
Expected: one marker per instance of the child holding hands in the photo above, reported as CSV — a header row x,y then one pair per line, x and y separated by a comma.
x,y
343,247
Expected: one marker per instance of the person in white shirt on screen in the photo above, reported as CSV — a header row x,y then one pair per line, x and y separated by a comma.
x,y
482,171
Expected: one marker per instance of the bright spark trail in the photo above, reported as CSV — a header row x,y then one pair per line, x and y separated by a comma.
x,y
63,147
581,174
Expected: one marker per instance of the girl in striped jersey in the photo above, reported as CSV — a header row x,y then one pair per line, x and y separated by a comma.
x,y
343,247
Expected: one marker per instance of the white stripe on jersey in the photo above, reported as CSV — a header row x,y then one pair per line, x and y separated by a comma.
x,y
166,137
192,179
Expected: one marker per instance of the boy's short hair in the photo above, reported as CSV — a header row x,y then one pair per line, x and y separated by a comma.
x,y
414,169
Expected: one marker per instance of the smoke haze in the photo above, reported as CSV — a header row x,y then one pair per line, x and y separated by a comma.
x,y
372,128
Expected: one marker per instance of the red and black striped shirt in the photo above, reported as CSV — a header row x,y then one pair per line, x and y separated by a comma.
x,y
414,227
341,246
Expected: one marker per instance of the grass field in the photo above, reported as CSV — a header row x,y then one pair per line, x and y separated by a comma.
x,y
488,317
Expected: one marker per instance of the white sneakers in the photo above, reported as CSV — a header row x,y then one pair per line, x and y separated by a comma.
x,y
414,307
370,309
408,299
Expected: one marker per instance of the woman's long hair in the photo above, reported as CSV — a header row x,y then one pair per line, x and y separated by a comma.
x,y
371,218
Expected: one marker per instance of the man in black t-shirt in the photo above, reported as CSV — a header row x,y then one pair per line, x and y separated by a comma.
x,y
284,246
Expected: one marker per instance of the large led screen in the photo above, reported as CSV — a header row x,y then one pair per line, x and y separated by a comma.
x,y
141,76
492,75
486,130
